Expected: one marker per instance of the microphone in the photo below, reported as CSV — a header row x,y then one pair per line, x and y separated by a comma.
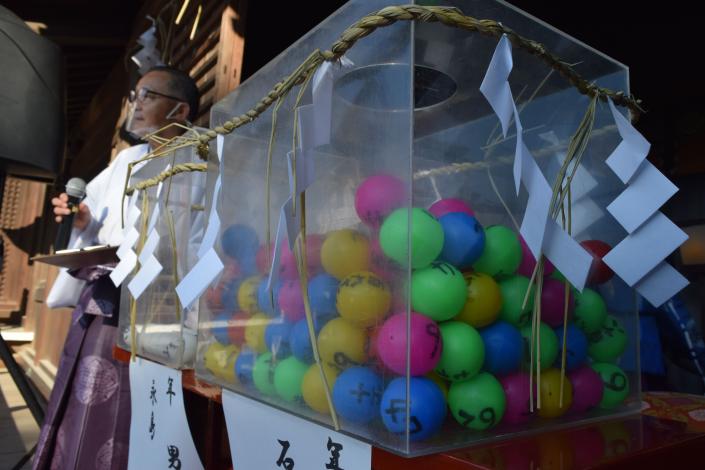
x,y
75,190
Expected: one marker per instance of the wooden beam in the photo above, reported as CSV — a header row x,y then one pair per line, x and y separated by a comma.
x,y
230,49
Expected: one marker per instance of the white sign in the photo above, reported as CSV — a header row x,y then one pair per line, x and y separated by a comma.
x,y
264,438
159,432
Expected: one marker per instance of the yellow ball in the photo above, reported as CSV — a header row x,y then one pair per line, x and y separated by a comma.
x,y
363,298
550,394
247,294
312,387
220,360
345,252
254,332
484,300
440,381
341,344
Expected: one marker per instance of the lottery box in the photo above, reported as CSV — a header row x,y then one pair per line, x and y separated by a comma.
x,y
166,213
390,168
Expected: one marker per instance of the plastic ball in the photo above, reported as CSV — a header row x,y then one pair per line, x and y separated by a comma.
x,y
590,310
463,239
615,383
247,294
576,347
609,342
276,337
263,373
356,394
322,291
516,391
255,327
440,381
221,325
426,344
288,377
502,253
214,298
382,266
427,407
231,271
378,196
513,290
341,344
553,304
291,301
314,243
300,340
220,360
345,252
463,351
504,348
236,328
551,404
587,389
363,299
549,345
484,300
528,262
477,403
426,237
599,271
313,389
239,241
228,297
450,205
438,291
244,365
268,301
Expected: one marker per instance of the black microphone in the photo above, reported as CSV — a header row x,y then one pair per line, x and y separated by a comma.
x,y
75,190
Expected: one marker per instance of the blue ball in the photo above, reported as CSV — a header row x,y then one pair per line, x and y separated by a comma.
x,y
240,242
228,298
276,336
356,394
244,364
221,325
300,340
504,348
576,347
264,300
322,291
464,239
427,407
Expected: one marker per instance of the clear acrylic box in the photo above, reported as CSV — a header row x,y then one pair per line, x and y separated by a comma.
x,y
404,141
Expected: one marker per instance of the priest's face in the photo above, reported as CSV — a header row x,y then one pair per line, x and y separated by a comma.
x,y
155,103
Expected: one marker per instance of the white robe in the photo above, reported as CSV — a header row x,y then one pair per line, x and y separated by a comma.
x,y
103,198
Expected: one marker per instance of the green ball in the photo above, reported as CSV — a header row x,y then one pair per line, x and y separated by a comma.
x,y
288,377
513,289
463,351
438,291
607,343
263,373
590,310
502,253
426,237
557,275
549,345
616,384
477,403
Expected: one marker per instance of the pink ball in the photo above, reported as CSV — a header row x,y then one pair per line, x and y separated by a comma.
x,y
448,205
553,302
378,196
426,344
291,303
516,389
287,262
587,389
528,262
